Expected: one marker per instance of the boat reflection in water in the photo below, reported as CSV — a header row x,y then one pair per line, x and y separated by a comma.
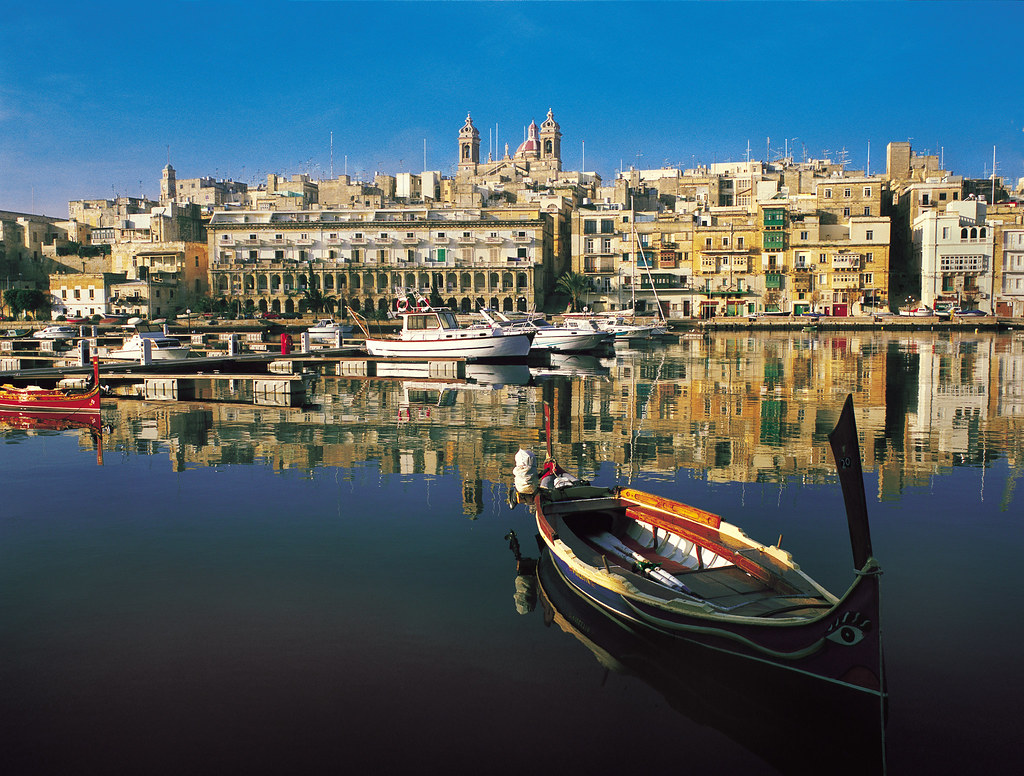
x,y
794,722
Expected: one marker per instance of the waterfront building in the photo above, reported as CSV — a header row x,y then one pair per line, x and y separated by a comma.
x,y
83,294
155,296
955,252
501,257
778,251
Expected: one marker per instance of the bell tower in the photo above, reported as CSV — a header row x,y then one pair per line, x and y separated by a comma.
x,y
551,141
168,186
469,147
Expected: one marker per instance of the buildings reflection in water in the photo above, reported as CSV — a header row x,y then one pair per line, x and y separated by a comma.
x,y
739,407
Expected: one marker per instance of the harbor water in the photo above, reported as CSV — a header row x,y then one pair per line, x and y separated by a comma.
x,y
218,587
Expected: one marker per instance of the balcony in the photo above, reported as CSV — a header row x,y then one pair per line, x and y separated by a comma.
x,y
841,284
410,240
467,239
358,240
845,261
492,240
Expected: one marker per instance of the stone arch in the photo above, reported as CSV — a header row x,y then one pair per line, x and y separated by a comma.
x,y
521,304
506,281
506,305
382,304
275,305
275,285
522,281
289,283
328,282
261,285
493,282
495,303
452,304
289,306
466,305
263,305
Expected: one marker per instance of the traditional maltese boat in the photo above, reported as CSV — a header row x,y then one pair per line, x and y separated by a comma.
x,y
53,401
681,570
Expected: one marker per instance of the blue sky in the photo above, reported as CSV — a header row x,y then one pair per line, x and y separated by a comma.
x,y
92,95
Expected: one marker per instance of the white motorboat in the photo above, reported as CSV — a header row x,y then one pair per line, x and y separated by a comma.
x,y
621,330
161,347
435,333
571,337
328,328
56,332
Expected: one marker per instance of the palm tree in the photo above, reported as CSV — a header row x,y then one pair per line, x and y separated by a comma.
x,y
575,285
315,300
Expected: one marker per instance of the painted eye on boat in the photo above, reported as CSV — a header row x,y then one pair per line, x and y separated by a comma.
x,y
848,629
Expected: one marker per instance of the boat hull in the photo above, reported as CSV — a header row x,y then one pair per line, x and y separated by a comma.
x,y
57,402
834,639
165,354
475,345
569,343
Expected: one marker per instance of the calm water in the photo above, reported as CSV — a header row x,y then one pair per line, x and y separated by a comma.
x,y
243,589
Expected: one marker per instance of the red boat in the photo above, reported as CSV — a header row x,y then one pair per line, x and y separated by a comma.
x,y
34,400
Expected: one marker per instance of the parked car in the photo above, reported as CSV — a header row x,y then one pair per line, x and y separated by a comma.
x,y
270,315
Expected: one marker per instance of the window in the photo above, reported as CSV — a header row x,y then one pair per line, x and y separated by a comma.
x,y
942,196
606,245
725,242
821,258
707,242
803,235
867,210
869,257
867,191
828,193
869,235
588,244
945,233
590,226
607,225
739,243
847,193
846,212
279,255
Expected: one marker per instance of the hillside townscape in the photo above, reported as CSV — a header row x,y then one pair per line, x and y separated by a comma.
x,y
517,232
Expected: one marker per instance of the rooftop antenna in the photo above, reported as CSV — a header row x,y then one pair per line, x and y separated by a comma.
x,y
868,170
424,154
332,154
748,150
993,200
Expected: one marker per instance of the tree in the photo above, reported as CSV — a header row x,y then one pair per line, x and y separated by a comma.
x,y
19,300
314,299
575,286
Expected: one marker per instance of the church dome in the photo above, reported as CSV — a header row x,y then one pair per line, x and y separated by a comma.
x,y
530,146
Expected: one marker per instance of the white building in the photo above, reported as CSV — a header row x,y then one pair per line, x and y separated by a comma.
x,y
955,251
1010,295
